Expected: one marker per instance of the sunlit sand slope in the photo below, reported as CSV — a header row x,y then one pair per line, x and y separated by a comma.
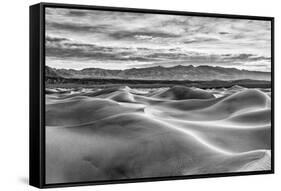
x,y
122,133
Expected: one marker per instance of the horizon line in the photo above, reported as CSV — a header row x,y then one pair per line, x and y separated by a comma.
x,y
180,65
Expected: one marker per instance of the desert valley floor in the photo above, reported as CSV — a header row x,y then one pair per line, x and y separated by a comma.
x,y
123,133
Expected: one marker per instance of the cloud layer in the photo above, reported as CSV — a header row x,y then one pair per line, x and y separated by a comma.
x,y
119,40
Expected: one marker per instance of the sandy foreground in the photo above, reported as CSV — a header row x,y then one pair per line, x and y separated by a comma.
x,y
122,133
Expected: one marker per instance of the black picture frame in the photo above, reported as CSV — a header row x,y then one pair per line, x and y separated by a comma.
x,y
37,94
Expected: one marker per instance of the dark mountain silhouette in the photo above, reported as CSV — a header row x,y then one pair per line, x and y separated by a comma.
x,y
51,72
161,73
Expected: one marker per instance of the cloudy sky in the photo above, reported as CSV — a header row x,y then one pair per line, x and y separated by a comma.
x,y
118,40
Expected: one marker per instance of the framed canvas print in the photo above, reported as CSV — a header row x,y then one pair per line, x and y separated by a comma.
x,y
128,95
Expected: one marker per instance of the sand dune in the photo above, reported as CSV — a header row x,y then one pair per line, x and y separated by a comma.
x,y
181,92
122,133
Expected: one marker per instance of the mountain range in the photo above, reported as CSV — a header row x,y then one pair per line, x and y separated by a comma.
x,y
179,72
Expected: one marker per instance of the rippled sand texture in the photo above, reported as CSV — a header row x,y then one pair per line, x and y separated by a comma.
x,y
122,133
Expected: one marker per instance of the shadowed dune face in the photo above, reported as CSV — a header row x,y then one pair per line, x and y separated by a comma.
x,y
181,93
122,133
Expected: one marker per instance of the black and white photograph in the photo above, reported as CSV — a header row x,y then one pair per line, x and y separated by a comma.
x,y
134,95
